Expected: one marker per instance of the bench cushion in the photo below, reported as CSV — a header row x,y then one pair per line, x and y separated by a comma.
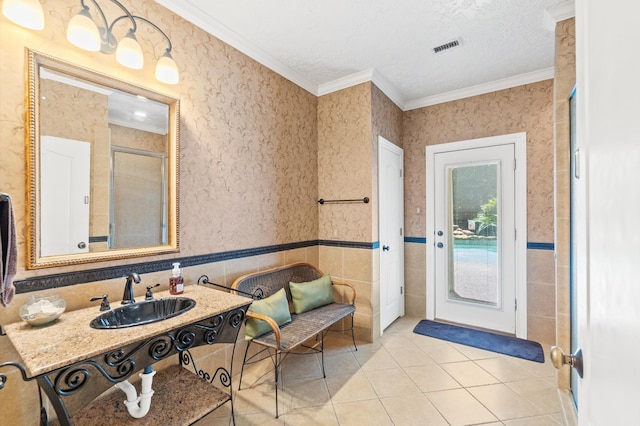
x,y
312,294
275,306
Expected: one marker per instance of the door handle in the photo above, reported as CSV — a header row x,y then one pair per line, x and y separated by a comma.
x,y
82,245
440,245
385,248
559,358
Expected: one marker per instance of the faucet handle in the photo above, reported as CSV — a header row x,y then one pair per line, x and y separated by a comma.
x,y
149,295
104,306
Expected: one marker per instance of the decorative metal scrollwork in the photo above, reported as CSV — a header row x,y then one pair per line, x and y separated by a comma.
x,y
71,381
122,361
185,339
160,348
210,337
113,358
223,375
217,320
185,358
235,319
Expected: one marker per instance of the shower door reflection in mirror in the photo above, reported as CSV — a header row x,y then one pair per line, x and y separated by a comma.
x,y
138,202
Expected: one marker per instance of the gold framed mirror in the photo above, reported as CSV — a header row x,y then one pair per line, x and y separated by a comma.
x,y
102,166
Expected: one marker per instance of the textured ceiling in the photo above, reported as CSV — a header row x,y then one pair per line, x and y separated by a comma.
x,y
319,43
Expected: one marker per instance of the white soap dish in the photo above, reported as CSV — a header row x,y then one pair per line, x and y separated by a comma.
x,y
42,310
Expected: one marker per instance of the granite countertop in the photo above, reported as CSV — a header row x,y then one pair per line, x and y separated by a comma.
x,y
70,339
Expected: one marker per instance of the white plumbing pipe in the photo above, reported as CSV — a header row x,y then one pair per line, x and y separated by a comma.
x,y
138,406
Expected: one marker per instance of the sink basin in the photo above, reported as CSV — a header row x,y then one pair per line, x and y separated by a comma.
x,y
143,312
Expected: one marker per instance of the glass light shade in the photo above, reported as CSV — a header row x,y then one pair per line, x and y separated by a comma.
x,y
167,70
129,52
26,13
82,32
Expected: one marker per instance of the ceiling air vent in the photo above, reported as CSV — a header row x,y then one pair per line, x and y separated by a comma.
x,y
447,46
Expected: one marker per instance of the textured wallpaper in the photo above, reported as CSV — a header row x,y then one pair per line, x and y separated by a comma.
x,y
527,108
344,163
248,148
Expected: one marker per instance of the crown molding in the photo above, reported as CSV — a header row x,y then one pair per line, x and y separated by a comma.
x,y
481,89
194,15
562,11
557,13
226,35
354,79
345,82
388,89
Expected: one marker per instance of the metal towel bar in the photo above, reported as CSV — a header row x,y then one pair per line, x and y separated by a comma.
x,y
259,293
357,200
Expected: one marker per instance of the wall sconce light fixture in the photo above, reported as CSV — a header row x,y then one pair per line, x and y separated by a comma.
x,y
85,33
26,13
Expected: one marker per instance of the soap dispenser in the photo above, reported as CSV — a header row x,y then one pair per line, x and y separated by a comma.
x,y
176,282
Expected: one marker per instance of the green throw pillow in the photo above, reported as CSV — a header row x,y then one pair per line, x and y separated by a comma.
x,y
275,306
312,294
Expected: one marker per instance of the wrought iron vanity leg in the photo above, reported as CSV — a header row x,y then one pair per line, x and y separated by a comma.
x,y
244,360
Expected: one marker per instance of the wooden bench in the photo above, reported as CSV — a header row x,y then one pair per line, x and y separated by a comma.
x,y
289,337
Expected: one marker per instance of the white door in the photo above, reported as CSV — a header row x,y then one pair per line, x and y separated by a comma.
x,y
475,271
608,205
64,188
391,219
574,239
477,232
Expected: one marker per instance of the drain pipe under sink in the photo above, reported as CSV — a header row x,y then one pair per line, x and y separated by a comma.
x,y
138,406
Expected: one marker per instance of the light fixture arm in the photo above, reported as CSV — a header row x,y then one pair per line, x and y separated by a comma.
x,y
127,14
157,29
134,17
100,12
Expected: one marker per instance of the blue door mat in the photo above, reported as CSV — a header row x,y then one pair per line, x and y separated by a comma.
x,y
507,345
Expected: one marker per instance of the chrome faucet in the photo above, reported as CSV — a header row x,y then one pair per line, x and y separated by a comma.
x,y
127,297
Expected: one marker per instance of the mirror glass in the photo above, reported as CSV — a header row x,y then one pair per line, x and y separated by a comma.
x,y
102,164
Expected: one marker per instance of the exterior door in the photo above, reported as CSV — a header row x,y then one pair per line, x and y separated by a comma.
x,y
64,185
475,237
391,219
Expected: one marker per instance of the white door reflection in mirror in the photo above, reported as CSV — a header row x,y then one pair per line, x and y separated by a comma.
x,y
65,200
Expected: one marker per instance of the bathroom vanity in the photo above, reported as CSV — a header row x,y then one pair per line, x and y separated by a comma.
x,y
74,363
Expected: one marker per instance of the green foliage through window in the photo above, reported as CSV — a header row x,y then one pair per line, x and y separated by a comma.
x,y
487,216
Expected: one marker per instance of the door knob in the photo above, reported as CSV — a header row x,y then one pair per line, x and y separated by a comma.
x,y
440,245
82,245
559,358
440,233
385,248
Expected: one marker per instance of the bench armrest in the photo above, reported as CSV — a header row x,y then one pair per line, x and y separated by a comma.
x,y
270,321
352,301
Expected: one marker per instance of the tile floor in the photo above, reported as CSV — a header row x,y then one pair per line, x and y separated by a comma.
x,y
403,379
